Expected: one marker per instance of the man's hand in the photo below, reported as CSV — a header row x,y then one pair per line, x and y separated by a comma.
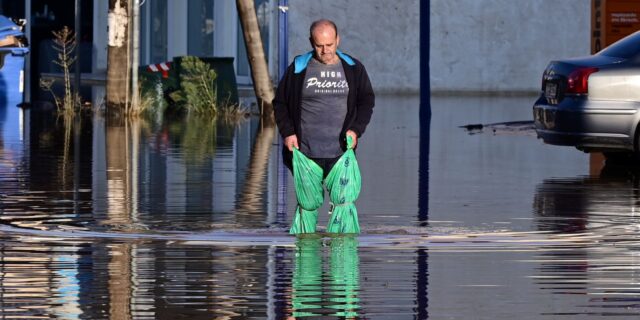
x,y
291,142
354,136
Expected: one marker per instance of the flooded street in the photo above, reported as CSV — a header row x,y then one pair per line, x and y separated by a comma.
x,y
188,219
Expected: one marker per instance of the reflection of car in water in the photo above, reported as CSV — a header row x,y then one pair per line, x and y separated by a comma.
x,y
587,203
592,102
598,265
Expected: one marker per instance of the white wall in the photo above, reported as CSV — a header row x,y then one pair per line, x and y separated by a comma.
x,y
503,45
382,34
476,45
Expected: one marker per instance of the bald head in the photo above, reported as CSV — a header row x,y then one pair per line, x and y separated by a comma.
x,y
324,39
322,23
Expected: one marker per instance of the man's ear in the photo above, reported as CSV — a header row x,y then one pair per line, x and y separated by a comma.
x,y
337,41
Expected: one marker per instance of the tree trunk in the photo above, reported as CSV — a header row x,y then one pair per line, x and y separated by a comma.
x,y
117,57
259,71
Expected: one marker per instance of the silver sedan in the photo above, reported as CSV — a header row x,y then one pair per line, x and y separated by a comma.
x,y
593,102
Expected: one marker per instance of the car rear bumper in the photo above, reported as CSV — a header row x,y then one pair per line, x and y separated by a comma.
x,y
587,125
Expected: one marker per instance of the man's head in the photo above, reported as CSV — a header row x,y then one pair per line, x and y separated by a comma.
x,y
324,39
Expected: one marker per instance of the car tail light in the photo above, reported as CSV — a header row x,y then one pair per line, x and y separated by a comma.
x,y
578,81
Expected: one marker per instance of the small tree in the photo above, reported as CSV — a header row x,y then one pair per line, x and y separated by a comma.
x,y
65,44
198,90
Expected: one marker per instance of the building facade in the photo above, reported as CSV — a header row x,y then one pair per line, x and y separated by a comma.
x,y
476,46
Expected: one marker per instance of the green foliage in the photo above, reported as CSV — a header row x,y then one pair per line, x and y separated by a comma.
x,y
150,100
198,89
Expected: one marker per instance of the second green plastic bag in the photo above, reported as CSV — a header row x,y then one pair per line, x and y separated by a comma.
x,y
343,183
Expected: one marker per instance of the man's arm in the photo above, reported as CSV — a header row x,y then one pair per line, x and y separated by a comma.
x,y
364,104
280,106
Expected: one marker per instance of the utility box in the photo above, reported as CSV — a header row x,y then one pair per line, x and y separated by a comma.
x,y
612,20
13,50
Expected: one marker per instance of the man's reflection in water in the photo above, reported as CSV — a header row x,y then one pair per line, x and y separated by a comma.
x,y
320,291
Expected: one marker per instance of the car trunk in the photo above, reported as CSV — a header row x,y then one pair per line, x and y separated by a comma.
x,y
569,77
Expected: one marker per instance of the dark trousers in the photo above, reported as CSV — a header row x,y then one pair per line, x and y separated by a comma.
x,y
325,163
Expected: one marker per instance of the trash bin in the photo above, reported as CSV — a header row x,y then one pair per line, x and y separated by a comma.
x,y
13,50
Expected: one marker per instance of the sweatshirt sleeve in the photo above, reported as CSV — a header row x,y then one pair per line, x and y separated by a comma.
x,y
281,107
364,104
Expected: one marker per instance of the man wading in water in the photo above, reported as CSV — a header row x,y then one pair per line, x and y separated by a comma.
x,y
324,96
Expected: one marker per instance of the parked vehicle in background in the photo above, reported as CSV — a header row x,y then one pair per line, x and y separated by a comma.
x,y
13,50
593,102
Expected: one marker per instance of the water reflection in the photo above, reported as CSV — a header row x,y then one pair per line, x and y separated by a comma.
x,y
134,175
321,290
601,214
253,196
589,203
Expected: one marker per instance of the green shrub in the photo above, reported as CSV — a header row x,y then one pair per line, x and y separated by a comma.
x,y
198,89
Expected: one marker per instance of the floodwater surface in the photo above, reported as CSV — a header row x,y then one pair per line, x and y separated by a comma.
x,y
188,218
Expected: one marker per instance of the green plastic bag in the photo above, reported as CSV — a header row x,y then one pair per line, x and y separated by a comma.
x,y
343,183
307,177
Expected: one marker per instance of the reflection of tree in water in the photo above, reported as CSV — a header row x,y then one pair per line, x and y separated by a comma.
x,y
57,165
318,291
252,198
199,137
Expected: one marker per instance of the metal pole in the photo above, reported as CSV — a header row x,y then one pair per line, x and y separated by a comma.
x,y
283,57
135,95
422,258
425,85
425,115
283,52
27,72
78,28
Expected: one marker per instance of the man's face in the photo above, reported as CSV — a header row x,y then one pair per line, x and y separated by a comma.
x,y
325,42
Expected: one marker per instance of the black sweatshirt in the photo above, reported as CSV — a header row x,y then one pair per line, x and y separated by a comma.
x,y
360,102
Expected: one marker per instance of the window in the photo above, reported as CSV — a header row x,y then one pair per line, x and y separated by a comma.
x,y
158,31
200,28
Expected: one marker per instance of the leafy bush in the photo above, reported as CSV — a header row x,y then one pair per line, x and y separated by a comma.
x,y
198,89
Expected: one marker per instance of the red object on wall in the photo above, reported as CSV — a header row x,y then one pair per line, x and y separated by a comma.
x,y
160,67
